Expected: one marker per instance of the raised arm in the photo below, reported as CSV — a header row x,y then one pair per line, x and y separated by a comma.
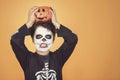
x,y
17,43
17,40
70,39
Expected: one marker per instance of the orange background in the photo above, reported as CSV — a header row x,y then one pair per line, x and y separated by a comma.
x,y
96,22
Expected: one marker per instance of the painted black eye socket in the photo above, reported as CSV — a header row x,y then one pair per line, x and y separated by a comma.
x,y
38,36
48,36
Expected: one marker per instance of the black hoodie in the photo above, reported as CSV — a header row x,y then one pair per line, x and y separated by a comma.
x,y
38,67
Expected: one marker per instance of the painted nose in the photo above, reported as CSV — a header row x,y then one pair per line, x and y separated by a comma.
x,y
43,39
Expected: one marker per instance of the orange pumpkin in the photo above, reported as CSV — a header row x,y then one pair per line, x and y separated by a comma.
x,y
43,14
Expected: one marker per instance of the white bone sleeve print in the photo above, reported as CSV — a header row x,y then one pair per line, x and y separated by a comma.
x,y
46,73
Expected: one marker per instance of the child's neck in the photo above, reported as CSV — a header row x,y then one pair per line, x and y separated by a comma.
x,y
42,53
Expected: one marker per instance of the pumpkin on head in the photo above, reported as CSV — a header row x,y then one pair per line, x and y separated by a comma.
x,y
43,14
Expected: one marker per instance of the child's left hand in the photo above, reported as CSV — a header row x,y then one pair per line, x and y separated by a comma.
x,y
53,19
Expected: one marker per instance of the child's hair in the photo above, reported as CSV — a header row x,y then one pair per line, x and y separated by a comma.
x,y
48,25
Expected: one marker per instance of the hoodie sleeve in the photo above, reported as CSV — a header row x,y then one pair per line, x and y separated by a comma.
x,y
17,43
70,41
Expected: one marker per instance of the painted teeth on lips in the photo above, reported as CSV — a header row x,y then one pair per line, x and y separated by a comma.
x,y
43,45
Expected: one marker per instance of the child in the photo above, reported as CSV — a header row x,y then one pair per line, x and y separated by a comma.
x,y
43,64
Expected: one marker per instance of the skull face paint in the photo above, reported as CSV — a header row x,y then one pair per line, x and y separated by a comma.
x,y
43,39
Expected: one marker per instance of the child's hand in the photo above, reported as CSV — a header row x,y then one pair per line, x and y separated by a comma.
x,y
31,16
53,19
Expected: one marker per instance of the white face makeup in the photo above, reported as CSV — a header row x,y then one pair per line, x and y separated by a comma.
x,y
43,39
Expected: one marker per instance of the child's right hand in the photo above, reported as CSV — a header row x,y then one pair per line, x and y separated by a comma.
x,y
31,16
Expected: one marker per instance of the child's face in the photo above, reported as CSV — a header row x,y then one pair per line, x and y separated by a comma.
x,y
43,39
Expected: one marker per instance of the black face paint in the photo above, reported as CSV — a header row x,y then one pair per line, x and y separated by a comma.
x,y
43,39
48,36
39,36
